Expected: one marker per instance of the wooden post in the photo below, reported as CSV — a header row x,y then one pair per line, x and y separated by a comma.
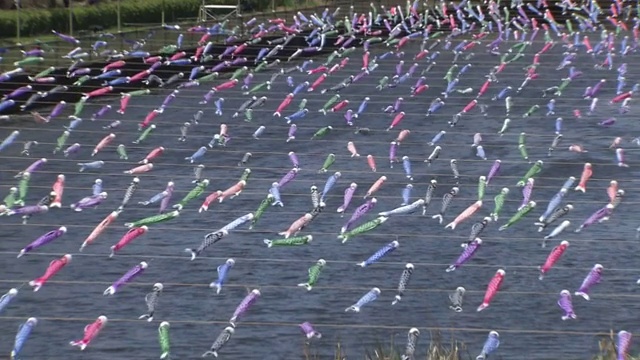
x,y
18,6
163,23
118,10
70,18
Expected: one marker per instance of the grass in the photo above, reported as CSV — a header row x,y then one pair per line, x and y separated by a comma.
x,y
607,349
132,28
438,349
39,4
25,40
161,37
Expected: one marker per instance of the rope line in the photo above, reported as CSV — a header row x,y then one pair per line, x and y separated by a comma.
x,y
386,263
377,97
358,139
275,231
342,171
320,288
322,325
237,123
469,200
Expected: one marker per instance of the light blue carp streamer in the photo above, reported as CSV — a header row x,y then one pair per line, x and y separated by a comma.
x,y
331,182
568,184
405,209
6,298
406,164
435,154
406,194
559,126
363,106
555,232
24,331
490,345
237,222
437,138
97,187
371,296
155,198
223,271
380,254
553,204
275,192
218,105
9,140
197,155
